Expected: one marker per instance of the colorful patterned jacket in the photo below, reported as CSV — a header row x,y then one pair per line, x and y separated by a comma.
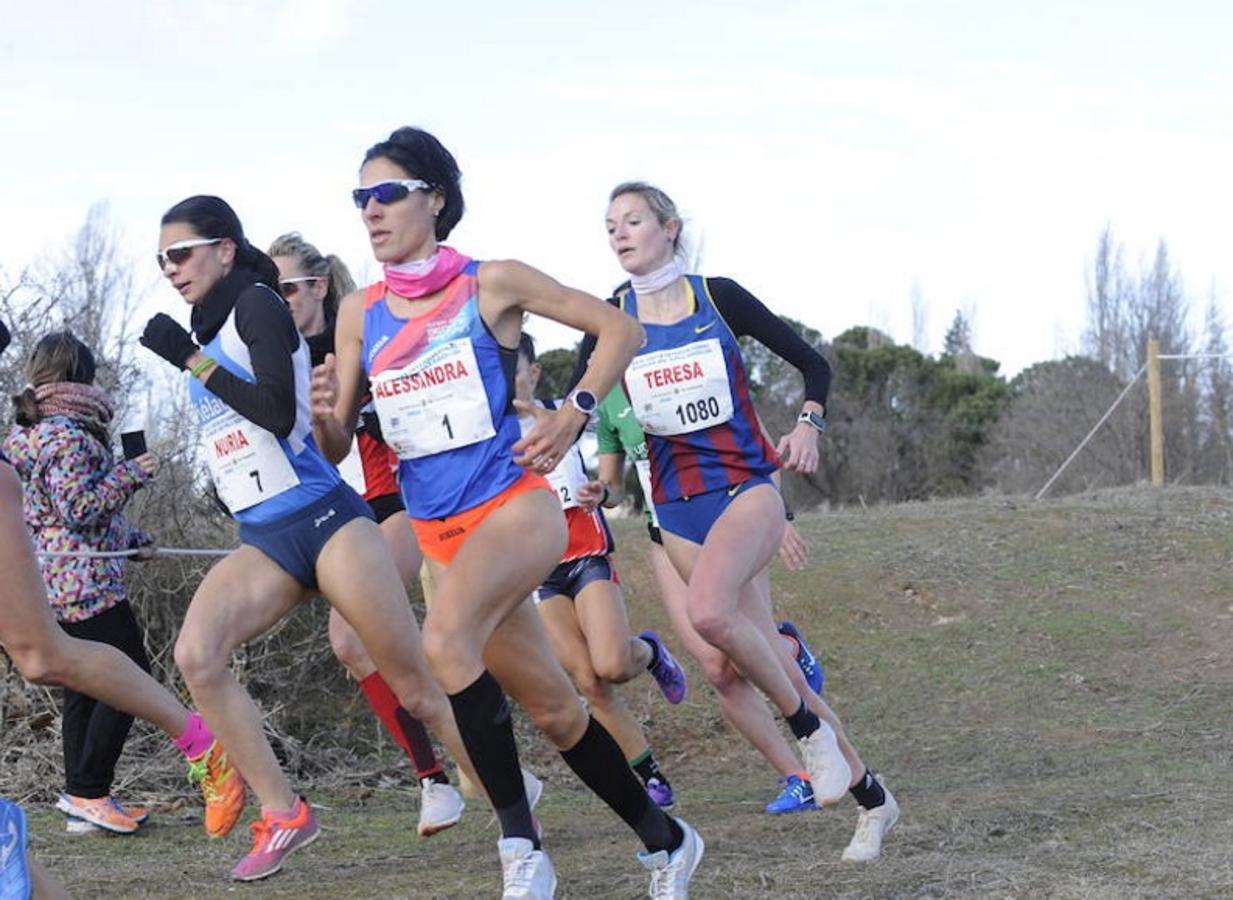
x,y
74,494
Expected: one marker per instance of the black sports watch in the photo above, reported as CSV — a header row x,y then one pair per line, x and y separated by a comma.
x,y
583,401
816,421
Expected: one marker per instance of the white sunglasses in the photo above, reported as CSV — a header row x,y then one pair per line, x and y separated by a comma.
x,y
179,252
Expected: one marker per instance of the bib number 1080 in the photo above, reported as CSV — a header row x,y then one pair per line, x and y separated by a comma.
x,y
698,411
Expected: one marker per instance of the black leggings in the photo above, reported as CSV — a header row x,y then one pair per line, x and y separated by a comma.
x,y
94,733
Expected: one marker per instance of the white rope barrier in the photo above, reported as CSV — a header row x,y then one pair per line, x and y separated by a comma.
x,y
118,554
1092,433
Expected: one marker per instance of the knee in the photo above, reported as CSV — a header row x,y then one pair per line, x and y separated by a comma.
x,y
713,624
559,720
198,660
40,665
590,684
446,647
348,648
613,667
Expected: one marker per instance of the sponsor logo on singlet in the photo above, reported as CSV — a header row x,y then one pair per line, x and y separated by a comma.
x,y
209,407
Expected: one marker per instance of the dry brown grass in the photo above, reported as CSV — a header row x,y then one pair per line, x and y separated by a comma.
x,y
1046,687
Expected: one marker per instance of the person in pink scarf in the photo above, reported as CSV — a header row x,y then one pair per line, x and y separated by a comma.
x,y
75,495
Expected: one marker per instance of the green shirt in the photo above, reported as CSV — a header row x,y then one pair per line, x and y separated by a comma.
x,y
617,431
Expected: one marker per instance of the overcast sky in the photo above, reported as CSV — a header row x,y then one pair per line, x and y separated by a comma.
x,y
830,156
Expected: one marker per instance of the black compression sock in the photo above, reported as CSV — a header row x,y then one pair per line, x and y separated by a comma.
x,y
483,718
803,722
598,761
647,768
868,792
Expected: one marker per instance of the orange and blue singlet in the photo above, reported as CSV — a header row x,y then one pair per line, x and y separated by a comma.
x,y
443,389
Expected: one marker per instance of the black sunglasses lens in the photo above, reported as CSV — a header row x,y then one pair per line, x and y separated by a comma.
x,y
390,192
360,197
290,288
174,255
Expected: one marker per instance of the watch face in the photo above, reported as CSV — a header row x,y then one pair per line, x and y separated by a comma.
x,y
585,401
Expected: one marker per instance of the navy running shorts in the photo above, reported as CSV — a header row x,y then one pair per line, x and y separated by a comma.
x,y
295,541
569,578
691,518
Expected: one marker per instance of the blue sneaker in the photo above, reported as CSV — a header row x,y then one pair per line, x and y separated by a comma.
x,y
15,881
796,796
810,665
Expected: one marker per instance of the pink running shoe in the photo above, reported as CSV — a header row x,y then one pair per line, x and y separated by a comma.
x,y
274,837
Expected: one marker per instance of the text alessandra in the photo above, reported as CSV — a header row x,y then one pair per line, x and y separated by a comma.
x,y
416,381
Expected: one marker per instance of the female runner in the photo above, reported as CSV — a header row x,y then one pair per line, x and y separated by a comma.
x,y
720,513
618,436
584,611
303,532
44,654
312,285
437,339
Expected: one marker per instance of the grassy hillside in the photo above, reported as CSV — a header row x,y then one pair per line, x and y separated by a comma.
x,y
1046,687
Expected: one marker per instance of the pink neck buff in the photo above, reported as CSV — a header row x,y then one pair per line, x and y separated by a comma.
x,y
658,279
421,277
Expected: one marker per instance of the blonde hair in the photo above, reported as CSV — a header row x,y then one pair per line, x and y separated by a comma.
x,y
660,204
313,263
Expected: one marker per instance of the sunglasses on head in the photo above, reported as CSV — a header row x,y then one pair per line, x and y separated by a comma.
x,y
179,252
386,192
290,286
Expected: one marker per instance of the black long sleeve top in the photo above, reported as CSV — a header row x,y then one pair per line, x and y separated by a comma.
x,y
747,315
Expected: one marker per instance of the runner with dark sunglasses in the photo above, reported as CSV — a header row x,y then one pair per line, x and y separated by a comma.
x,y
312,284
437,339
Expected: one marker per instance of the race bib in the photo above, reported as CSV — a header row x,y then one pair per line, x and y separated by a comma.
x,y
681,390
247,463
566,478
437,403
643,468
352,469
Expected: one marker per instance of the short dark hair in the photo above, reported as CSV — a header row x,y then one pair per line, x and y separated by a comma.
x,y
526,347
422,156
213,217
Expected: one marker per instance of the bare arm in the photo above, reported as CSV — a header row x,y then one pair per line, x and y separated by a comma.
x,y
339,383
612,474
507,290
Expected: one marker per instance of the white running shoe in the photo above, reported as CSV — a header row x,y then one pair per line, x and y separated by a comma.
x,y
671,873
441,807
829,772
872,825
527,872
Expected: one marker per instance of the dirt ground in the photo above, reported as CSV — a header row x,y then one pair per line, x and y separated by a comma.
x,y
1046,688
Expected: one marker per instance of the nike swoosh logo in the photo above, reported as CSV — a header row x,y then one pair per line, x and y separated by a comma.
x,y
626,412
698,329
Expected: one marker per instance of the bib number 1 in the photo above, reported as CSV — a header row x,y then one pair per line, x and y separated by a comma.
x,y
436,404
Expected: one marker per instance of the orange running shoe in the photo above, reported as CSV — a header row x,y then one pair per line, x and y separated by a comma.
x,y
222,786
100,812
